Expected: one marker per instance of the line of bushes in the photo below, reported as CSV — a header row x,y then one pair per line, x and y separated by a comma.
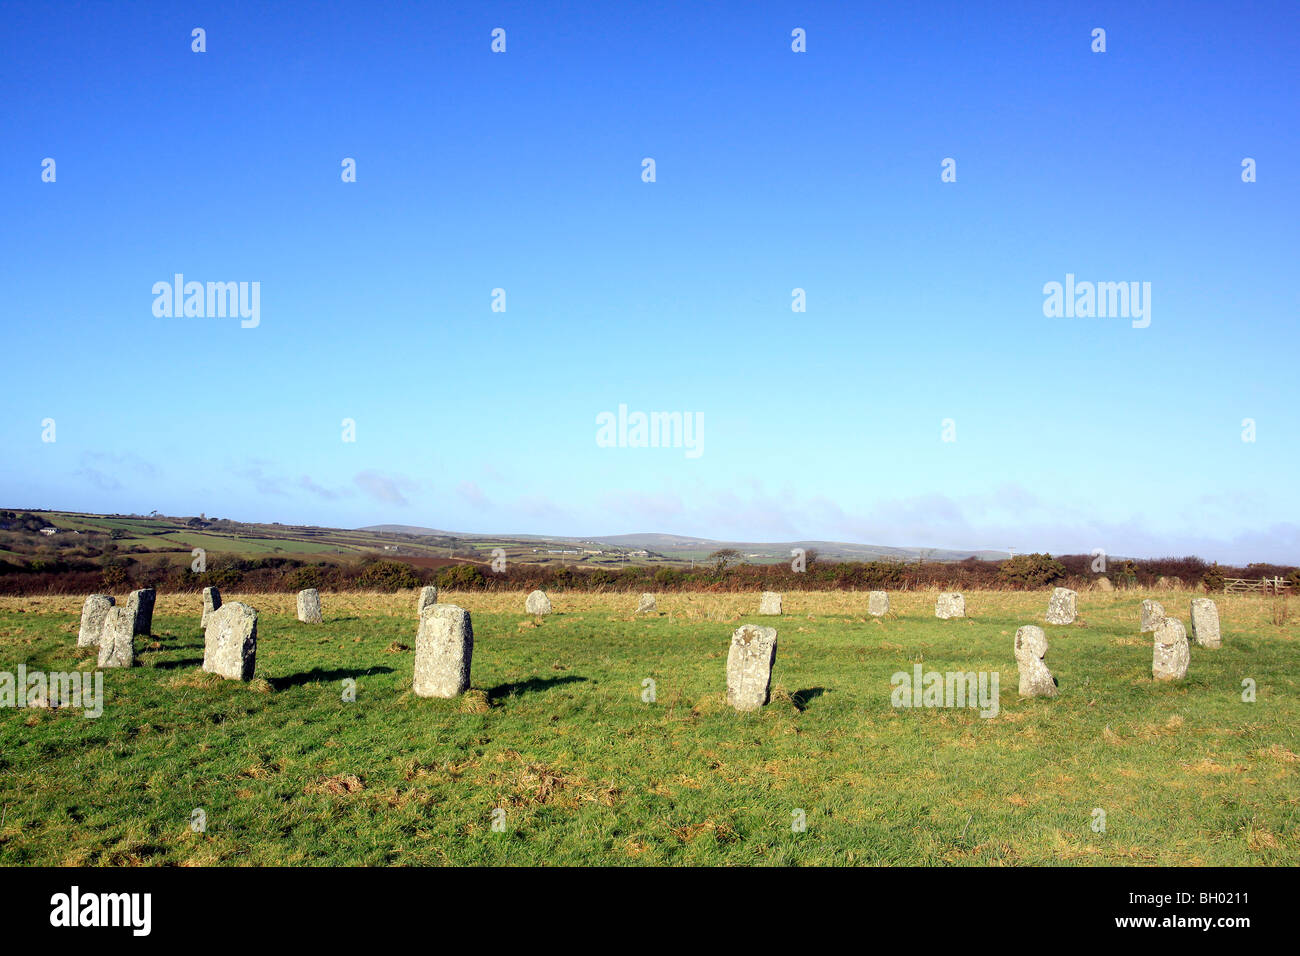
x,y
373,573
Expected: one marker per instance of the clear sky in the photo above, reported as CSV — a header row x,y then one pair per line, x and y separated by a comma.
x,y
774,170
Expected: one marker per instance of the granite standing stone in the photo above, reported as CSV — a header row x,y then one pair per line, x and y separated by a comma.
x,y
309,606
141,604
1030,649
92,619
117,639
769,603
1171,655
537,603
1205,623
950,604
428,597
230,641
1153,613
1062,607
646,605
444,647
749,666
211,602
878,604
1103,584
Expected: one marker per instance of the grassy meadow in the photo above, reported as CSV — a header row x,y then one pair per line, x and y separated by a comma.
x,y
555,734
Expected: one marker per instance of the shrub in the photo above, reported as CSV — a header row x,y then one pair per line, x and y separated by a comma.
x,y
1031,570
462,577
630,576
305,577
601,577
387,576
667,577
225,577
113,576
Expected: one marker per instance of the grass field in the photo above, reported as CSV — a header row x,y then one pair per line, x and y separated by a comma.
x,y
556,734
171,536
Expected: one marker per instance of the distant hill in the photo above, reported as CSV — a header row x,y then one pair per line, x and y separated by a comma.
x,y
405,529
29,535
682,547
78,541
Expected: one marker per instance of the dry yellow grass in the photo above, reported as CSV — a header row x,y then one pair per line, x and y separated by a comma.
x,y
1250,610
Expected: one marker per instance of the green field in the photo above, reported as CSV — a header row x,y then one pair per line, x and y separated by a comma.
x,y
558,737
174,538
241,545
171,536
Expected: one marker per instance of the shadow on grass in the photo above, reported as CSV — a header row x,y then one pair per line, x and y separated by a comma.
x,y
322,675
171,641
172,665
802,698
529,686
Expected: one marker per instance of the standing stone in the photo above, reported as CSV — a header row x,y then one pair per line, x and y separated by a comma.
x,y
141,604
443,649
117,639
646,605
1103,584
1153,613
1169,661
749,666
428,597
92,619
537,603
1062,606
230,641
309,606
878,604
769,603
211,602
950,604
1205,623
1030,649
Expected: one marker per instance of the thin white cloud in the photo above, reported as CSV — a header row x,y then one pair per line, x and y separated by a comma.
x,y
320,491
471,493
385,488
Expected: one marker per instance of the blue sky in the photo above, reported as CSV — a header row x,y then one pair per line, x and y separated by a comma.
x,y
775,170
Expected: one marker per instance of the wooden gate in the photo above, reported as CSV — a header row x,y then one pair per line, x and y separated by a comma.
x,y
1273,585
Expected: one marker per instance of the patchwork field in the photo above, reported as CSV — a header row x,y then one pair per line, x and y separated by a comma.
x,y
556,734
